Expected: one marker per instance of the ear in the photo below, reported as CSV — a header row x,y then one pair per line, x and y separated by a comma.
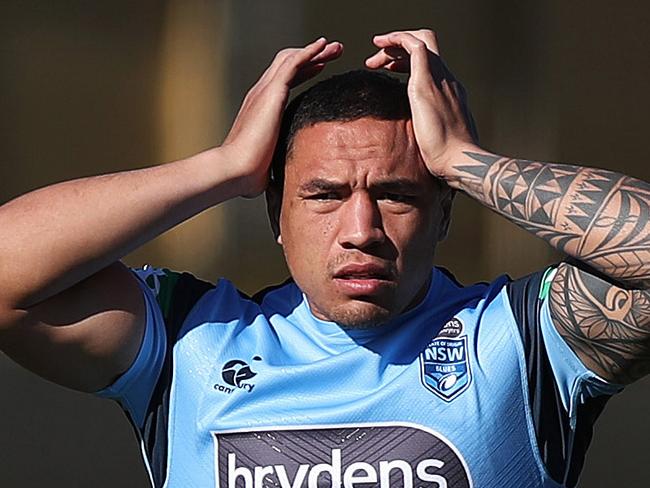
x,y
273,207
446,203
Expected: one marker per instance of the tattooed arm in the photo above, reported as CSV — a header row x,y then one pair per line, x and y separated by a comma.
x,y
600,303
597,216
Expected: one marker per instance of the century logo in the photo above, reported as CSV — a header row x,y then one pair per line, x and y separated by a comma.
x,y
349,456
236,373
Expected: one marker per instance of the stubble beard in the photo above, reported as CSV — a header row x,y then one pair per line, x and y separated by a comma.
x,y
366,314
360,315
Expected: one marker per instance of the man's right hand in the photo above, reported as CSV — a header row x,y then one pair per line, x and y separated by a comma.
x,y
250,144
69,310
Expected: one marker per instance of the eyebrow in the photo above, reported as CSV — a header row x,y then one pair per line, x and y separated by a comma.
x,y
321,184
393,185
399,185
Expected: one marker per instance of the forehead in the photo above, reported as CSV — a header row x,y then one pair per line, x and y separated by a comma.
x,y
365,147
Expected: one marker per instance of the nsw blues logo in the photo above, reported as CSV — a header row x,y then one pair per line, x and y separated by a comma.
x,y
444,363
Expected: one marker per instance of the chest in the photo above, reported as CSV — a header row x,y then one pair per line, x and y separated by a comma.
x,y
260,409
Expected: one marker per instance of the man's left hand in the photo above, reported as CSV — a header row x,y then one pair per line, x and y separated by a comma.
x,y
442,122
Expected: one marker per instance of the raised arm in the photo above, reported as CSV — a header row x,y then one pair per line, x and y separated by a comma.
x,y
599,300
69,310
600,304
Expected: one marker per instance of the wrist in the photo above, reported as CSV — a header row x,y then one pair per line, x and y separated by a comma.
x,y
214,175
470,172
445,166
243,175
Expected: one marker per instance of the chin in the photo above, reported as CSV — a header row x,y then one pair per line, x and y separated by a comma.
x,y
360,315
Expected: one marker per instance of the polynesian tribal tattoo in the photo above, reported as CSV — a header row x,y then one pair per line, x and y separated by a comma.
x,y
607,326
600,217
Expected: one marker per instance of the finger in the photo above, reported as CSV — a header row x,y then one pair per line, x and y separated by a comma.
x,y
445,71
304,55
332,51
399,66
303,58
430,38
315,65
425,35
416,49
310,50
462,97
385,56
437,67
472,126
378,60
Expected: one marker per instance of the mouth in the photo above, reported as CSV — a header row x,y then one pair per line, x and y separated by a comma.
x,y
364,279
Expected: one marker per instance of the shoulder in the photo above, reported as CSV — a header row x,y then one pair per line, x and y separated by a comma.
x,y
282,298
175,292
473,296
166,283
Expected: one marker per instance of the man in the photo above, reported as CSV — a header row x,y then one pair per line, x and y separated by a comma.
x,y
369,368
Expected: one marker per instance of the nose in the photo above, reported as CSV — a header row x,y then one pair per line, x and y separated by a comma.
x,y
361,222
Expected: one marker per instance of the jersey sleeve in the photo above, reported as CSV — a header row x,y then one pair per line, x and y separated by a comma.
x,y
143,390
168,296
133,388
565,397
575,382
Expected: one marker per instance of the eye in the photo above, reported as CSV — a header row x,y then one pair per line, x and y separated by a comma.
x,y
399,198
324,196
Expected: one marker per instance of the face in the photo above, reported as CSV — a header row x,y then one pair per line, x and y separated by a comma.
x,y
360,218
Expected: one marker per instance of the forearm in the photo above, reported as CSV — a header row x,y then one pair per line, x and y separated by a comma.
x,y
597,216
54,237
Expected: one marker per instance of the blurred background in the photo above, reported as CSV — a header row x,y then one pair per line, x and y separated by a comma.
x,y
95,87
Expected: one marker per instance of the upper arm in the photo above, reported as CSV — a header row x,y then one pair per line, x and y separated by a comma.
x,y
606,325
84,337
563,396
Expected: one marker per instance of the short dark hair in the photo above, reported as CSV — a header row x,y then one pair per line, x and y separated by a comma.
x,y
344,97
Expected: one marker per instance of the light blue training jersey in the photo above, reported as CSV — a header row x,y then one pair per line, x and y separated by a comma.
x,y
229,392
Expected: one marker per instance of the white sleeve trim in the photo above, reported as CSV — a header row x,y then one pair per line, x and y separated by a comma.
x,y
134,387
576,383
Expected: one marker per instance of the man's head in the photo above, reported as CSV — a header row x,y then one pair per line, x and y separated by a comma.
x,y
341,98
351,201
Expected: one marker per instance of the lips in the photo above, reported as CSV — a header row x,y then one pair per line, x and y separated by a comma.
x,y
368,271
363,279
